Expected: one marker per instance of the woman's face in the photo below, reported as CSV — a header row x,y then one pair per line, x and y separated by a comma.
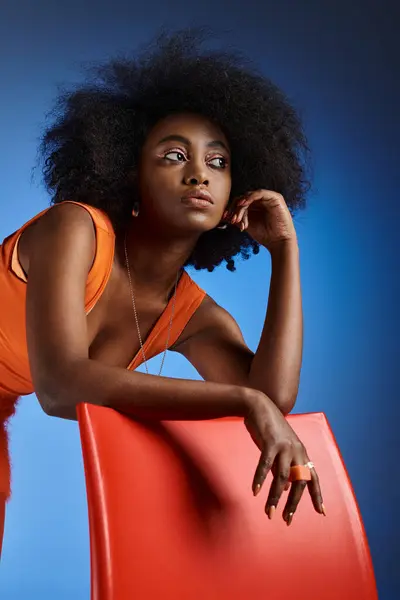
x,y
184,156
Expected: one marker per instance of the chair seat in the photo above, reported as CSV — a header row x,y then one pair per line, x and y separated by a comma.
x,y
172,515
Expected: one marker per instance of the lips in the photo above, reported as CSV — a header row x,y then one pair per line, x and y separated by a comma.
x,y
202,197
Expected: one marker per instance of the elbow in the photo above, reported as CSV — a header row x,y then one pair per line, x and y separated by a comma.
x,y
60,390
49,406
56,409
285,404
281,396
54,403
286,408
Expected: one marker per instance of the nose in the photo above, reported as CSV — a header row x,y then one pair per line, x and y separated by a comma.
x,y
197,178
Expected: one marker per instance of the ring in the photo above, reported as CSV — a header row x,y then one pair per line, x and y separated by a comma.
x,y
301,472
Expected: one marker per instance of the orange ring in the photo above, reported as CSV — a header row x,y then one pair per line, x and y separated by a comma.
x,y
300,473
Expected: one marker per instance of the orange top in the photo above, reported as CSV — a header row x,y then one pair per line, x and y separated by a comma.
x,y
15,376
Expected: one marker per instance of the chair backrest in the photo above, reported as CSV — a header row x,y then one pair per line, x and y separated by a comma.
x,y
172,515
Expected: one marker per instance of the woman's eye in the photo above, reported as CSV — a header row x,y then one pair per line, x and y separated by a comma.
x,y
175,156
219,161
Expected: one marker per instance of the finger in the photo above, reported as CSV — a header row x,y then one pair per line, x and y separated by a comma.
x,y
287,486
272,198
244,223
251,197
315,493
244,202
248,196
229,212
293,500
264,466
279,482
241,213
238,216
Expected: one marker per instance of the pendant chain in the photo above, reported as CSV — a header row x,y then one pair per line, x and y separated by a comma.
x,y
137,319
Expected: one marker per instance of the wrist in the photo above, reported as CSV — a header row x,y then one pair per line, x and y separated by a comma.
x,y
252,399
284,249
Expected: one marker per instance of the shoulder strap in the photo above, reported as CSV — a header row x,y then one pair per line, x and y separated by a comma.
x,y
101,268
105,245
189,296
100,218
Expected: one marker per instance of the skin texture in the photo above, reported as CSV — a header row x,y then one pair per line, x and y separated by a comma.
x,y
74,356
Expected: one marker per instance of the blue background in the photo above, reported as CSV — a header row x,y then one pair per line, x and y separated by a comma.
x,y
337,61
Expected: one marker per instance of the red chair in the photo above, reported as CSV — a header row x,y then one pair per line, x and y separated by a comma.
x,y
172,515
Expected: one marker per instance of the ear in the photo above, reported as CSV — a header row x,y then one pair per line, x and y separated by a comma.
x,y
135,209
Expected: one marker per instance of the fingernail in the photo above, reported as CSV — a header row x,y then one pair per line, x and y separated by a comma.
x,y
257,489
225,214
323,510
271,512
289,519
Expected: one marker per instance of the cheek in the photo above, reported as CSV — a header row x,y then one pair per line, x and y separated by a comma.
x,y
224,185
153,179
168,176
159,189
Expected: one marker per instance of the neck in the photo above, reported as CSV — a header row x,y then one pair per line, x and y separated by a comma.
x,y
154,259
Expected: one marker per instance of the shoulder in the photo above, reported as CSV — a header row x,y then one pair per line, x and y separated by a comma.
x,y
79,215
209,319
66,226
213,316
64,215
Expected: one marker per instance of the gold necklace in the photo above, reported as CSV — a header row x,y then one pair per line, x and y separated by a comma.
x,y
136,316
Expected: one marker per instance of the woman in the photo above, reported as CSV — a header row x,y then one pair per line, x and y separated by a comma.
x,y
178,158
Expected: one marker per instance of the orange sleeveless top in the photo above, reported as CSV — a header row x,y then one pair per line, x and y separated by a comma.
x,y
15,376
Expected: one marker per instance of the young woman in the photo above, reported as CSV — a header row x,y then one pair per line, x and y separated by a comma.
x,y
181,157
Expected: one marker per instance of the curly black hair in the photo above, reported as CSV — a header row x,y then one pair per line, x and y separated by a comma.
x,y
93,144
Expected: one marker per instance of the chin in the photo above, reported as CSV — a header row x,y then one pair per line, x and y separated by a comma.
x,y
199,224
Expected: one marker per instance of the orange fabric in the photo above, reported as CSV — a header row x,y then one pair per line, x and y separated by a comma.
x,y
172,515
15,376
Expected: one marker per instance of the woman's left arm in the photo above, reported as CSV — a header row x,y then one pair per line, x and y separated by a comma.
x,y
275,368
214,343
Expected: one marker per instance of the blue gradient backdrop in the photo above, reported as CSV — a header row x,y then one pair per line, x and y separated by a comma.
x,y
337,61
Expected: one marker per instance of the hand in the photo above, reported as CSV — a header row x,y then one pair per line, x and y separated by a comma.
x,y
265,216
280,449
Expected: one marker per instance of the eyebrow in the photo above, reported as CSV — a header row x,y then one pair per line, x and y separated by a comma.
x,y
183,140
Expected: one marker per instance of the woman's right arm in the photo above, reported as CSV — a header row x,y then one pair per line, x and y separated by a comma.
x,y
61,254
